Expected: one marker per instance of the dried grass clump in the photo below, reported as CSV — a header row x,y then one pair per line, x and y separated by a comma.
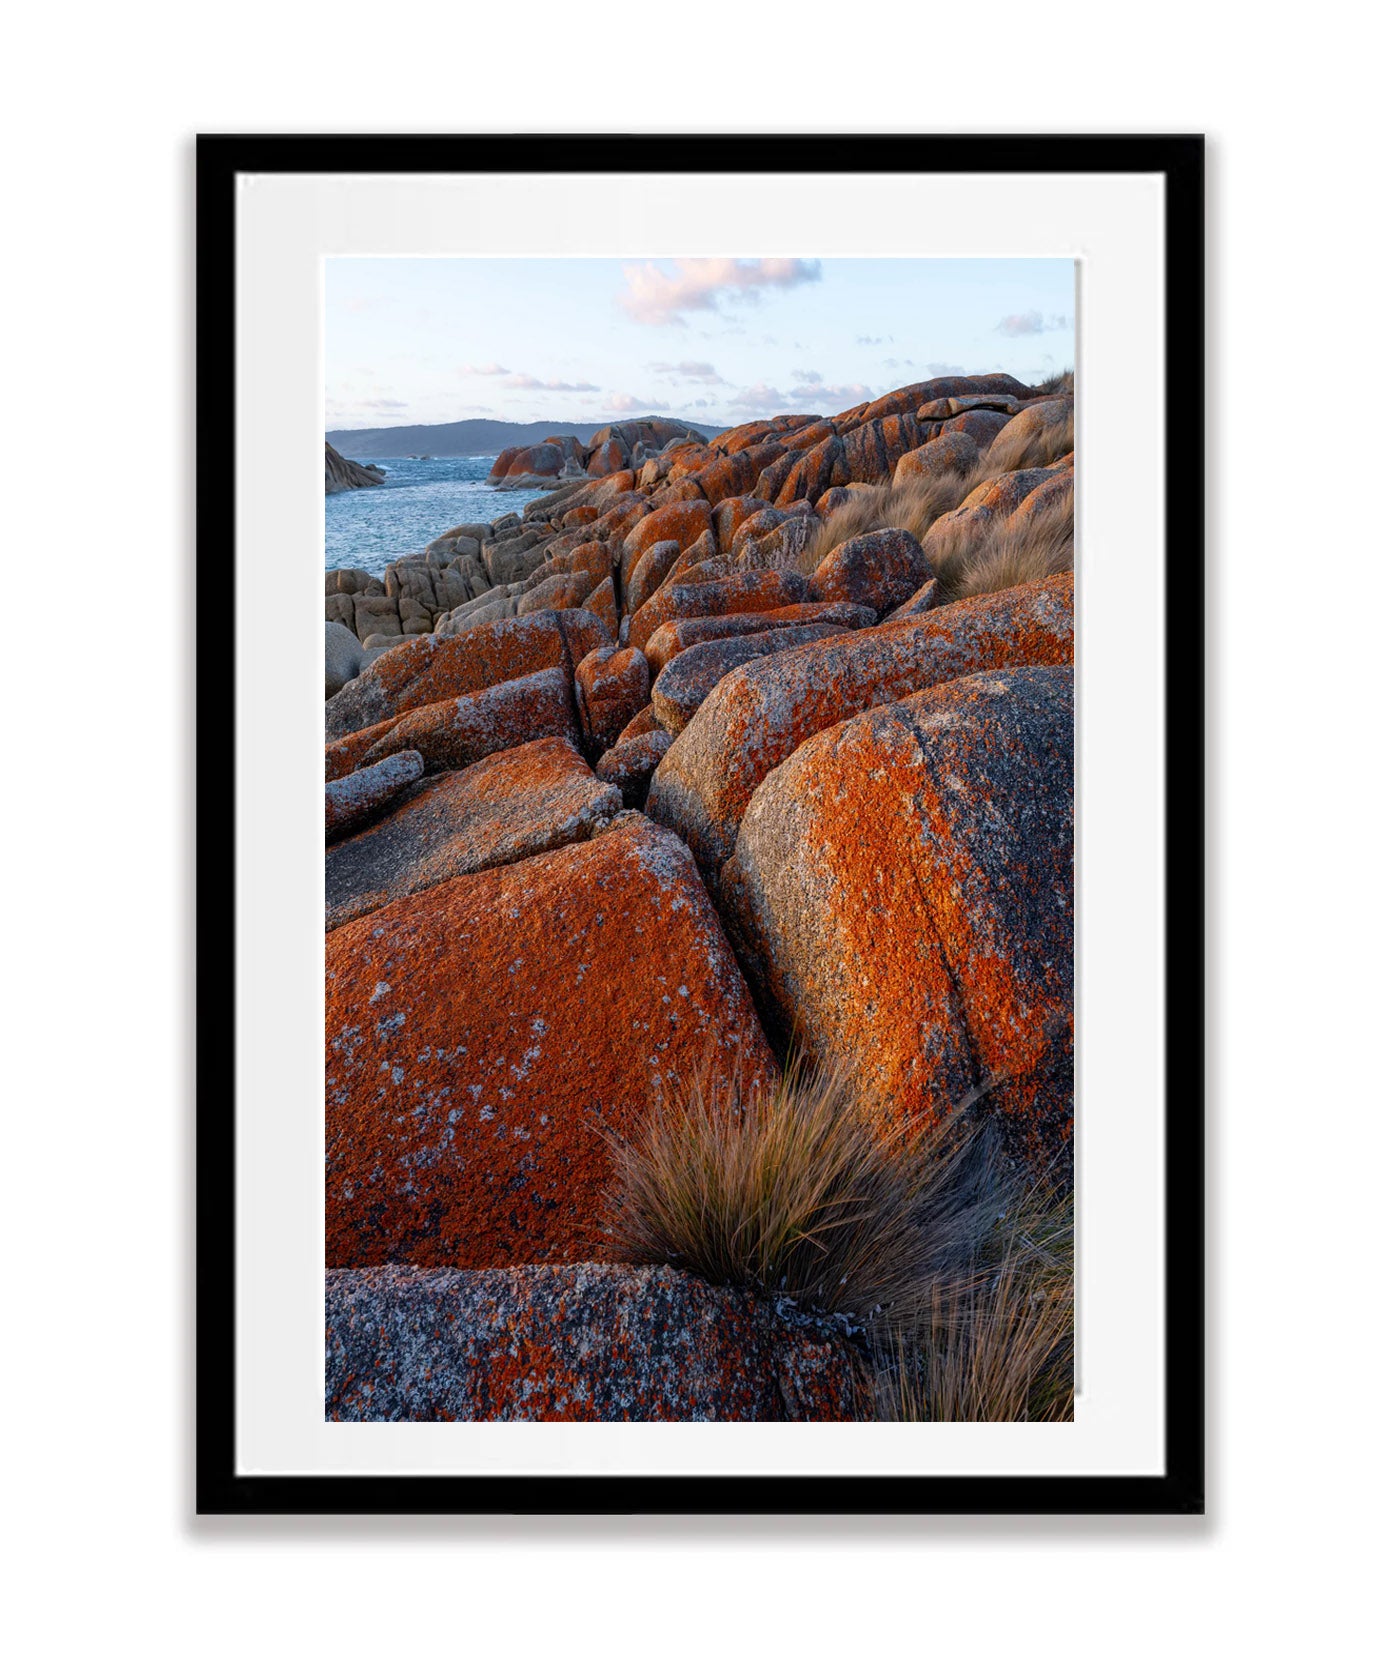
x,y
911,507
984,558
1057,385
802,1190
997,1345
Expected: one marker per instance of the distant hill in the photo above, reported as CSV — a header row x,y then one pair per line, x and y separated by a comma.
x,y
475,437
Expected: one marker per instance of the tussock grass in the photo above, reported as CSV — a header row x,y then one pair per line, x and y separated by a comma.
x,y
802,1190
960,1272
996,1345
1057,385
912,507
980,559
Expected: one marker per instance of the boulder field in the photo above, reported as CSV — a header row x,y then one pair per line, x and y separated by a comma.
x,y
671,775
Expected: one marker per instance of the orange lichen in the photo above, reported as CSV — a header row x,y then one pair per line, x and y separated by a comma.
x,y
742,592
903,886
484,1037
681,522
763,712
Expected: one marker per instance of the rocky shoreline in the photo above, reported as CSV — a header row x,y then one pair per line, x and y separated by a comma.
x,y
721,749
349,475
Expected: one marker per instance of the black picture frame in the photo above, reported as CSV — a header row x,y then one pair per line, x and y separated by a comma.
x,y
1179,161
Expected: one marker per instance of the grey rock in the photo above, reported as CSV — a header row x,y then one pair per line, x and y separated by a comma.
x,y
686,681
349,475
512,805
344,656
353,800
588,1343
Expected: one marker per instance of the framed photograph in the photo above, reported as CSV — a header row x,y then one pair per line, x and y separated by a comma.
x,y
731,1039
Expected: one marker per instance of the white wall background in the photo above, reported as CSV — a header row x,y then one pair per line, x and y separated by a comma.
x,y
1286,1575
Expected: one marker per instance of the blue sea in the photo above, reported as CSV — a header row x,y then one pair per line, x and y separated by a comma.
x,y
417,501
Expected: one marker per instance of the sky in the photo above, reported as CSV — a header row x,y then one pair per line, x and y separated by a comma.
x,y
420,340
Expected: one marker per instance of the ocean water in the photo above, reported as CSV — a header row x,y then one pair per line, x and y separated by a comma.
x,y
417,501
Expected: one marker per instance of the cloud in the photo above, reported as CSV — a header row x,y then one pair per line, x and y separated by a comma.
x,y
655,298
1021,326
833,396
490,369
885,338
383,402
809,376
897,362
939,368
528,382
623,402
699,373
762,398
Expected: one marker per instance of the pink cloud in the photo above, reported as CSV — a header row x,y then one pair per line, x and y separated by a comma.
x,y
657,298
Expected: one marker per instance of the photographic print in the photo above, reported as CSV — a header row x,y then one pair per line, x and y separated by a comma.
x,y
700,867
744,971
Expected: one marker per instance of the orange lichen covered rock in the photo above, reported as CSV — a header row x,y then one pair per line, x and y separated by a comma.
x,y
686,681
981,425
757,716
878,569
650,572
745,436
1037,418
679,490
510,806
592,560
642,724
486,1036
630,765
693,564
429,668
581,1344
781,547
769,483
742,592
531,463
1059,487
607,460
610,688
730,514
948,452
674,637
947,408
817,469
871,451
681,522
836,497
602,603
344,755
984,507
454,733
561,589
737,473
903,890
764,518
912,397
924,599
